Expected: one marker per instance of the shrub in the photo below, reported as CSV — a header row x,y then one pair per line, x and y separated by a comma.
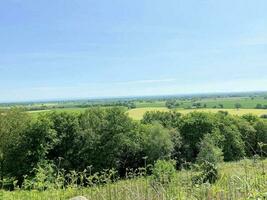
x,y
163,172
208,173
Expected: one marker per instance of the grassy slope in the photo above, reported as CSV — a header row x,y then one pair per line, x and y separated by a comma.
x,y
238,180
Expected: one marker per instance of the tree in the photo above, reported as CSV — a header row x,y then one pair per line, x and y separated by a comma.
x,y
261,137
209,151
196,105
248,135
233,145
171,103
110,139
13,124
66,127
35,144
238,105
258,106
167,119
193,128
157,143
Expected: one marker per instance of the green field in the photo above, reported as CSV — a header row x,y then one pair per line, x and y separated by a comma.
x,y
145,104
139,112
246,102
227,102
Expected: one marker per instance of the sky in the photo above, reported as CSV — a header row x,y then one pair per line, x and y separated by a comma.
x,y
70,49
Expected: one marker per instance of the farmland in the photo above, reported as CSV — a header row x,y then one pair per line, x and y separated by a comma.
x,y
138,113
136,107
212,104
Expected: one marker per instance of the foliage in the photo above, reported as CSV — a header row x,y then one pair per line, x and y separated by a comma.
x,y
208,173
163,172
107,138
166,119
157,143
238,105
209,151
237,180
193,128
172,103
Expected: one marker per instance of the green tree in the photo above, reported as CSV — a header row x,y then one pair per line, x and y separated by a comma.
x,y
170,119
13,125
110,139
209,151
171,103
248,135
193,128
258,106
66,128
157,142
238,105
233,145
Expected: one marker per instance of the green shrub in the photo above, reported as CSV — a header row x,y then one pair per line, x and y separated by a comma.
x,y
208,173
163,172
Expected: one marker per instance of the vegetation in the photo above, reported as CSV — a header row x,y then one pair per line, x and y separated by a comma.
x,y
103,153
138,113
245,179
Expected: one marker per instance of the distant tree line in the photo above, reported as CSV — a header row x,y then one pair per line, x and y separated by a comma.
x,y
105,138
260,106
127,104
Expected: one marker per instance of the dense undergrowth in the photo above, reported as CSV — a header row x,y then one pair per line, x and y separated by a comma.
x,y
246,179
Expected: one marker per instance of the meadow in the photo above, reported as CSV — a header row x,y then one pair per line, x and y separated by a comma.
x,y
246,179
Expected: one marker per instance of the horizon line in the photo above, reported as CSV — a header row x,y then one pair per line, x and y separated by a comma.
x,y
127,97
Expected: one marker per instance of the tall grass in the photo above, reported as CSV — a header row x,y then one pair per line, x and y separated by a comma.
x,y
246,179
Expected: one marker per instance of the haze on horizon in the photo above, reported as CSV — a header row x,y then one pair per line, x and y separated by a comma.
x,y
79,49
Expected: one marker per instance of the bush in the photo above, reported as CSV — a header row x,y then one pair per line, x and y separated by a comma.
x,y
163,172
208,173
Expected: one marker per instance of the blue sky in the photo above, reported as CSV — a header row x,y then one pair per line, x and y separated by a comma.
x,y
99,48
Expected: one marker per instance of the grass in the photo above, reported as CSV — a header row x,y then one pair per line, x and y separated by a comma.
x,y
246,179
145,104
228,102
138,113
